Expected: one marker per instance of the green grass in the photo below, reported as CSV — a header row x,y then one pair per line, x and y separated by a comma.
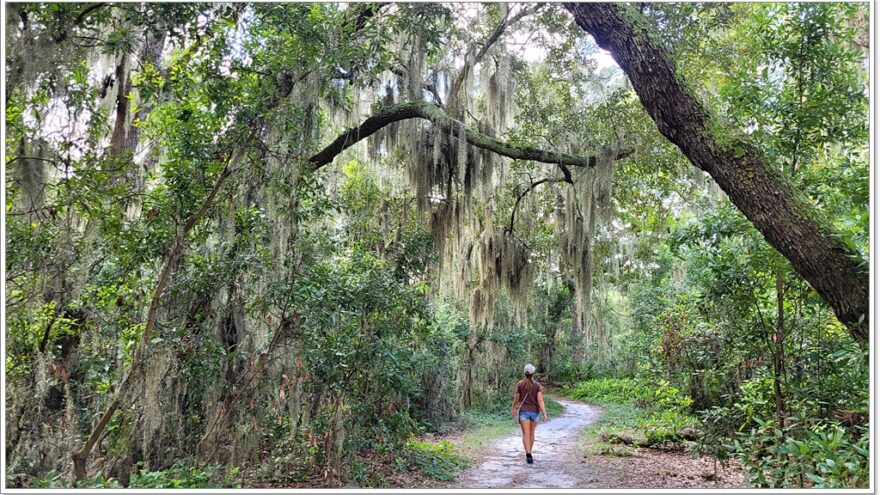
x,y
615,418
618,399
479,427
553,408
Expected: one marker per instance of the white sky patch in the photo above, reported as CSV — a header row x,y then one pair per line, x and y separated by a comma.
x,y
521,42
603,59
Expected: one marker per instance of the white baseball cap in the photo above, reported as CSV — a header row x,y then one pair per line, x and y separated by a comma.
x,y
529,369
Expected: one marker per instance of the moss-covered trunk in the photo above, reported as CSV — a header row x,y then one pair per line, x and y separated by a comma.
x,y
782,214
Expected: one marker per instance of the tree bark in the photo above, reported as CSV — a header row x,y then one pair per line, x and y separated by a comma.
x,y
577,334
429,111
123,85
782,214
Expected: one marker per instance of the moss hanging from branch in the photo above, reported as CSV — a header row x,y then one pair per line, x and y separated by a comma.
x,y
445,155
446,160
29,169
429,111
580,208
496,82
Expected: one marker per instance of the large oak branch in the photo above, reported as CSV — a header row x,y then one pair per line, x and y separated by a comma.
x,y
754,184
433,113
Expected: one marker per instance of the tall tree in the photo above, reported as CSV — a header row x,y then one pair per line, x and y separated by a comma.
x,y
757,187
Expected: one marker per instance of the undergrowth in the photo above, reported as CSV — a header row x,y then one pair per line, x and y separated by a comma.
x,y
654,415
183,474
438,460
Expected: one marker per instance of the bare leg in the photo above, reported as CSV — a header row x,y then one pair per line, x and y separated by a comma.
x,y
532,425
526,432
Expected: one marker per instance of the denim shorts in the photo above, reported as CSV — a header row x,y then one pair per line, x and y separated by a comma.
x,y
528,416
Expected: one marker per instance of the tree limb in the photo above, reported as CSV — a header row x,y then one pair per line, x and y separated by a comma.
x,y
528,189
755,185
433,113
433,90
502,27
566,173
80,457
62,35
368,11
495,36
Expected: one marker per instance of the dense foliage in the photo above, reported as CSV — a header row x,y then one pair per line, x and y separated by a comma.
x,y
176,262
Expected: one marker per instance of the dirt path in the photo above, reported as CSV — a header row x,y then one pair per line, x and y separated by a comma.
x,y
558,460
561,462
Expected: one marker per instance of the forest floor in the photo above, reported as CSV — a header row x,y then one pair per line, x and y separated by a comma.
x,y
564,459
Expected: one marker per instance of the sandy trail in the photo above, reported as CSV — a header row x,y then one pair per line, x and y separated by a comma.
x,y
557,453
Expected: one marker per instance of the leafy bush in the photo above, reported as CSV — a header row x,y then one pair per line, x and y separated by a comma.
x,y
823,455
55,479
756,401
571,372
661,414
182,474
435,459
186,475
665,426
612,390
668,396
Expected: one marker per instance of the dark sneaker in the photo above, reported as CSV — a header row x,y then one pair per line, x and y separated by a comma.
x,y
529,458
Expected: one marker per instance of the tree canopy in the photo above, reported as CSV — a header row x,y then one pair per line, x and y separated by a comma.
x,y
295,235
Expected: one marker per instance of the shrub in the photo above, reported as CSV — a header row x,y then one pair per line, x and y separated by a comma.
x,y
186,475
821,455
435,459
612,390
55,479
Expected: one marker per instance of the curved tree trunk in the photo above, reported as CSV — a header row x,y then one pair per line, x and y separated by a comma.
x,y
783,215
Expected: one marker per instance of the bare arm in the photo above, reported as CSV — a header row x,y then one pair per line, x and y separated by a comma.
x,y
516,400
541,404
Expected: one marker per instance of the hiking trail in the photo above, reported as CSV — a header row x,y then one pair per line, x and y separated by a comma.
x,y
558,463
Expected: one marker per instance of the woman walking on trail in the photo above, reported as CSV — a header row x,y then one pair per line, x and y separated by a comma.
x,y
527,401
